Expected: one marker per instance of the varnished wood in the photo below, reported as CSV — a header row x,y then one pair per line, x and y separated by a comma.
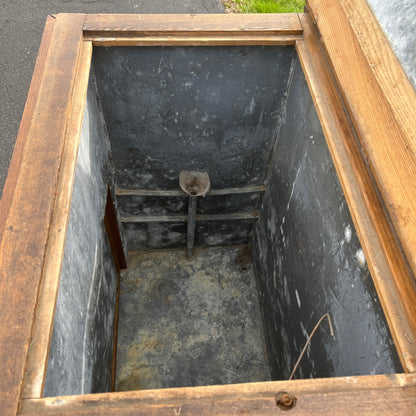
x,y
28,219
388,144
392,278
366,395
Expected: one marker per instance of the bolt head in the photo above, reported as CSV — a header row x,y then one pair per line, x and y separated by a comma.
x,y
285,401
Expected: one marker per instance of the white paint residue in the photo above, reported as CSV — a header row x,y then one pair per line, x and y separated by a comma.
x,y
261,116
286,291
351,380
159,69
252,106
360,257
271,223
84,159
145,177
294,182
348,233
305,333
297,297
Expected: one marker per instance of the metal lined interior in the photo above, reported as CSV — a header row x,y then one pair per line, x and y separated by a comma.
x,y
270,246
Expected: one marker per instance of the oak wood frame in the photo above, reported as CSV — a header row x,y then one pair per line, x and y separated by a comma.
x,y
353,77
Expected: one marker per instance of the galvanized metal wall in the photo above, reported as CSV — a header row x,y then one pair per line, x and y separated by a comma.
x,y
309,262
213,109
82,341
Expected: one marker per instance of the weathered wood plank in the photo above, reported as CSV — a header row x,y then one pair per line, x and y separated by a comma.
x,y
384,65
182,24
26,228
388,266
378,395
31,229
48,290
388,146
192,40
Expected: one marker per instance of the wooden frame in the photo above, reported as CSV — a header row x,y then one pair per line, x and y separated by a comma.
x,y
366,107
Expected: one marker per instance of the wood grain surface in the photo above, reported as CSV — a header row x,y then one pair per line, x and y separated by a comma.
x,y
194,40
384,65
388,144
182,24
192,30
36,199
365,395
48,289
391,275
28,218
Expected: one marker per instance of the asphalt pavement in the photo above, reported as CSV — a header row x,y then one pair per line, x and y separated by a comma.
x,y
21,28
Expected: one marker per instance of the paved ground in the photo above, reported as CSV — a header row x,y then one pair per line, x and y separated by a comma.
x,y
21,27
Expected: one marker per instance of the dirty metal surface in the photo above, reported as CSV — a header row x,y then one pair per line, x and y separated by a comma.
x,y
82,340
160,235
170,109
171,205
188,323
309,261
213,109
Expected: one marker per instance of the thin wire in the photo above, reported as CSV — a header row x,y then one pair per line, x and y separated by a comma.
x,y
309,340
